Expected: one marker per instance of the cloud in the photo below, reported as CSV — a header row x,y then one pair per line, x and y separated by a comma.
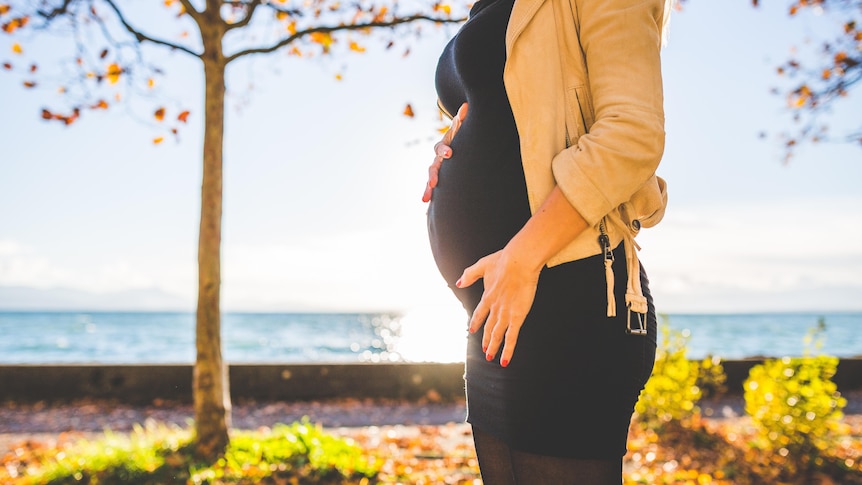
x,y
769,256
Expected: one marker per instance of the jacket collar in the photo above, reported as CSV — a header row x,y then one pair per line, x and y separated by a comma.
x,y
522,12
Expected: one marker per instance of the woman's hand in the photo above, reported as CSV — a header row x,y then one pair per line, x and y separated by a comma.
x,y
442,151
510,287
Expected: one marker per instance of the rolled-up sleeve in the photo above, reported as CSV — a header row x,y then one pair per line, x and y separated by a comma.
x,y
603,168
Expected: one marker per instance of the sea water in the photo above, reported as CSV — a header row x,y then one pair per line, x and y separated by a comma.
x,y
145,337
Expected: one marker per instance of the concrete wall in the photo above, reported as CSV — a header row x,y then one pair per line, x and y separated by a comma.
x,y
141,384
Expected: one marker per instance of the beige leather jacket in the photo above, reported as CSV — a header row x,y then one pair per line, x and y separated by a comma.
x,y
584,81
583,78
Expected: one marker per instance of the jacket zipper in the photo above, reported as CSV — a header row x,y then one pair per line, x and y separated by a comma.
x,y
605,242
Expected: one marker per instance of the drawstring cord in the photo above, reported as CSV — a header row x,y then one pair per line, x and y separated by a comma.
x,y
636,302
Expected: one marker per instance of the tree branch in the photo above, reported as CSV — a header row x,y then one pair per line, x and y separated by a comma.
x,y
251,6
298,35
50,15
190,9
141,37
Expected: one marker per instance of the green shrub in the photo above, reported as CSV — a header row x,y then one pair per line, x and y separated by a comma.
x,y
796,406
671,392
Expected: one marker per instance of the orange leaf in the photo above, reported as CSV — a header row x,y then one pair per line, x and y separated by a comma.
x,y
151,83
281,15
443,8
4,9
7,66
15,24
102,104
46,115
356,47
29,84
103,54
840,57
113,73
408,111
827,73
338,77
184,116
322,38
160,114
16,48
291,27
158,140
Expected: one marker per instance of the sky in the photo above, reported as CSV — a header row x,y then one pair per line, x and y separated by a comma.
x,y
323,180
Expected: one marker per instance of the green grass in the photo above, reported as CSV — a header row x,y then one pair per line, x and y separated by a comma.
x,y
155,455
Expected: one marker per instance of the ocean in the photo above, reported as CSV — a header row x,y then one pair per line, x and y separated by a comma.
x,y
145,337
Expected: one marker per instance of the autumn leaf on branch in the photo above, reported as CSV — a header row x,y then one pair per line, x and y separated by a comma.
x,y
819,82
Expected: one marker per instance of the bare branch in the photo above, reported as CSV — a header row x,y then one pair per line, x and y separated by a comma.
x,y
251,6
141,37
324,30
55,12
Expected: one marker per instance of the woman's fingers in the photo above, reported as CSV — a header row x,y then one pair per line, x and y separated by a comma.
x,y
442,151
511,338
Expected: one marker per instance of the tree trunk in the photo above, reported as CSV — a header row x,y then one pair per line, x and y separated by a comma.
x,y
210,386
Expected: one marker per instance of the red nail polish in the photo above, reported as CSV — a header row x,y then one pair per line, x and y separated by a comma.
x,y
485,349
458,283
504,362
489,357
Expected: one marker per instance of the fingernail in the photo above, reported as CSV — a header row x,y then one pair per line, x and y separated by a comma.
x,y
472,330
489,357
485,349
458,283
504,362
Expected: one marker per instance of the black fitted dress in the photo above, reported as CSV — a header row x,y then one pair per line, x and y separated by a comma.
x,y
575,375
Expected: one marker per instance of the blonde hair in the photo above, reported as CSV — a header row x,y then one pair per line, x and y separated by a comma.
x,y
665,21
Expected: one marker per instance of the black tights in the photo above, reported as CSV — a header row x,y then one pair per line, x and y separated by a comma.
x,y
501,465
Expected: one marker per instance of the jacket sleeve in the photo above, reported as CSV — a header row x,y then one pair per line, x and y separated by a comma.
x,y
621,43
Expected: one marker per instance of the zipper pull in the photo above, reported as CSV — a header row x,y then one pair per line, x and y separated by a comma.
x,y
605,243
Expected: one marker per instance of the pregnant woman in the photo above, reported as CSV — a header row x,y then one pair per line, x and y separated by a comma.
x,y
536,194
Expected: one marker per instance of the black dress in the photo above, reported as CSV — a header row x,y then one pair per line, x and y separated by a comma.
x,y
575,375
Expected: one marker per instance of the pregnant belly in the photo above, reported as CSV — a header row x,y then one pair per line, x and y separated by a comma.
x,y
479,203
